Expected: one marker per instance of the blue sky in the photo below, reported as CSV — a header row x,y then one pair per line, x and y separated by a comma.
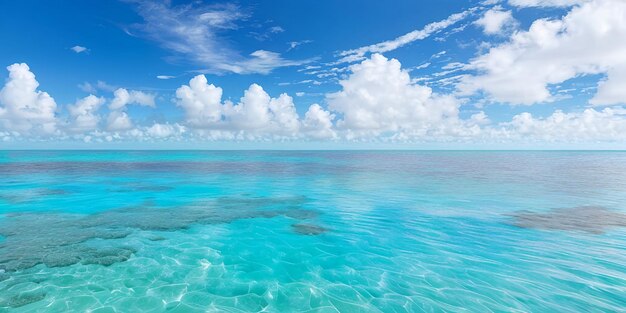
x,y
449,74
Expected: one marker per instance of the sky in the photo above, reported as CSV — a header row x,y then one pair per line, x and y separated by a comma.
x,y
308,74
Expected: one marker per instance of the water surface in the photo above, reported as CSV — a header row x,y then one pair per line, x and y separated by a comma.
x,y
312,231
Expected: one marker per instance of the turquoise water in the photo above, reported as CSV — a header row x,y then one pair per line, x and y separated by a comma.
x,y
312,231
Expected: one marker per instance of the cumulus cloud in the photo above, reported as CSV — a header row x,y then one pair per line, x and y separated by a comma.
x,y
256,115
496,21
124,97
197,32
23,108
590,125
118,121
612,90
201,101
583,42
84,115
318,123
378,101
379,98
26,112
164,130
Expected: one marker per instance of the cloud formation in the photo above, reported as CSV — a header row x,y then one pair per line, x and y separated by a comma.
x,y
589,125
546,3
96,87
378,98
359,54
23,108
118,119
84,115
552,51
318,123
124,97
496,20
256,115
196,32
78,49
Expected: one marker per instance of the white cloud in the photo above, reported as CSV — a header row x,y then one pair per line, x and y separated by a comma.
x,y
378,102
588,126
378,98
284,114
585,41
165,77
165,130
123,97
98,86
201,101
78,49
265,35
260,61
318,123
276,29
496,21
196,33
612,90
23,108
545,3
359,54
84,114
118,121
438,54
256,115
296,44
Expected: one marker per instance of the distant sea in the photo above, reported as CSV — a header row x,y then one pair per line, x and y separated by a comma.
x,y
312,231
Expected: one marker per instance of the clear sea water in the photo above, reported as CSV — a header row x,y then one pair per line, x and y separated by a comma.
x,y
312,231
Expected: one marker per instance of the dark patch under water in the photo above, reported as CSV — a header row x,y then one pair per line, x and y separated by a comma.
x,y
31,194
93,168
309,229
590,219
22,299
135,187
57,239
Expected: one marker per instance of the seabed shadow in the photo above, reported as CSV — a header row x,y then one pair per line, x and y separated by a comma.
x,y
588,219
59,239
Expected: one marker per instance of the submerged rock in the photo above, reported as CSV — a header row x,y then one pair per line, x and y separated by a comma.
x,y
142,187
590,219
109,256
23,299
308,229
27,195
59,239
156,238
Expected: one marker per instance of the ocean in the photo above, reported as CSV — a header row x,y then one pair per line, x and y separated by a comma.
x,y
312,231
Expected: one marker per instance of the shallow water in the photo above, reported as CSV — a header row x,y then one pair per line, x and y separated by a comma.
x,y
312,231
